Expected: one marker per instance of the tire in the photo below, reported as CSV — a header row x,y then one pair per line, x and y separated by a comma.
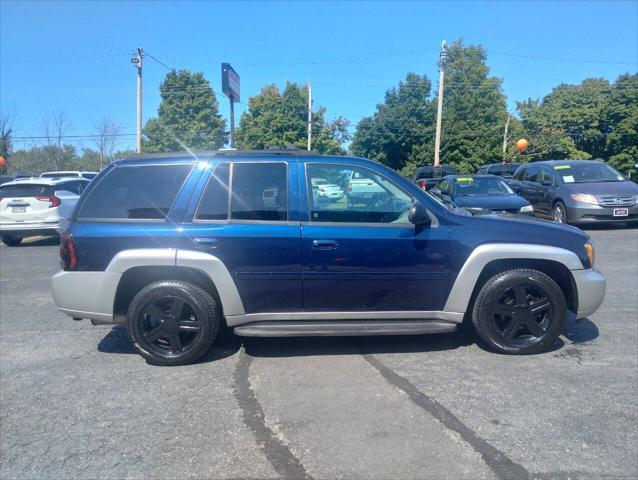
x,y
559,213
172,322
11,241
519,312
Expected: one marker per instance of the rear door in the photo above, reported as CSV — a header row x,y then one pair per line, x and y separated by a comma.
x,y
25,203
248,218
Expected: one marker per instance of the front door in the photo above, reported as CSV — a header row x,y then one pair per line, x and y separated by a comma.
x,y
360,252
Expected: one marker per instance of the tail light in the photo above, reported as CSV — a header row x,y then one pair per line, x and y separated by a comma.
x,y
424,185
68,255
55,201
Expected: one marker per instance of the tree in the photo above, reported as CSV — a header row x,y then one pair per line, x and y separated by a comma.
x,y
54,128
622,118
474,110
400,133
106,133
570,122
276,119
188,116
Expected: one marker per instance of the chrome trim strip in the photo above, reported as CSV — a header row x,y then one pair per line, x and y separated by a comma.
x,y
459,296
341,328
220,276
141,257
237,320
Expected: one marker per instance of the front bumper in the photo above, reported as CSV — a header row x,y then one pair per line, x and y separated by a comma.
x,y
582,213
86,294
591,286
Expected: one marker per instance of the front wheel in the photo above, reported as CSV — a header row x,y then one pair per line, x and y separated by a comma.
x,y
172,322
559,213
519,312
11,241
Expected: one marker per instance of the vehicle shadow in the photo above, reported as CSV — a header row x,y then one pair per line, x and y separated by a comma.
x,y
116,341
318,346
39,242
581,331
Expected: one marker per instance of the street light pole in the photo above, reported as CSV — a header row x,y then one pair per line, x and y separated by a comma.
x,y
439,108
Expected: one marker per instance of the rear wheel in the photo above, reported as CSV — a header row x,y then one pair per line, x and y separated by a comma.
x,y
559,213
519,312
172,322
11,241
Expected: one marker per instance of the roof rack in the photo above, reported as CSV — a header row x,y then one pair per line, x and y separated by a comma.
x,y
220,153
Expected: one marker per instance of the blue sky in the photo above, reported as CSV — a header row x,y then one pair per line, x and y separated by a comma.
x,y
75,56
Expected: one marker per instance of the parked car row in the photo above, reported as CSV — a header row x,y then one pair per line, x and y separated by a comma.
x,y
577,192
39,205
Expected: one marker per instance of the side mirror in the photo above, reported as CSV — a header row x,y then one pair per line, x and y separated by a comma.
x,y
419,215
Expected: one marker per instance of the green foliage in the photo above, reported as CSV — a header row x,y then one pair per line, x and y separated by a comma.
x,y
474,110
622,118
276,119
400,134
188,116
590,120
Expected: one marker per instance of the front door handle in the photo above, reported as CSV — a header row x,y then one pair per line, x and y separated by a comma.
x,y
324,244
206,241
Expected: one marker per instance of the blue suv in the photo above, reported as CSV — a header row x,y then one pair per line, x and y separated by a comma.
x,y
177,246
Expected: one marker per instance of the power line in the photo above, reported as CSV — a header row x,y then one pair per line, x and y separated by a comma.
x,y
146,54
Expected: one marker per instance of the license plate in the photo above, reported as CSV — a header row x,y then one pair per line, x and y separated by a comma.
x,y
18,209
621,212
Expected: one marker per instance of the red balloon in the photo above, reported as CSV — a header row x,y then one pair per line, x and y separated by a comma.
x,y
3,162
522,145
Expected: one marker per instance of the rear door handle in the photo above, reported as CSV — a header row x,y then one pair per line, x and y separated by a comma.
x,y
206,241
324,244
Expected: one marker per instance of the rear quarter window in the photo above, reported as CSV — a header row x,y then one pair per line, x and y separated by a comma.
x,y
144,192
30,190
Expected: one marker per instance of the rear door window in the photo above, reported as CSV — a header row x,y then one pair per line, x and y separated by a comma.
x,y
144,192
214,202
30,190
260,192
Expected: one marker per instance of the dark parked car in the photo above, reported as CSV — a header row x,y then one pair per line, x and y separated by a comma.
x,y
176,246
577,191
505,170
486,192
428,176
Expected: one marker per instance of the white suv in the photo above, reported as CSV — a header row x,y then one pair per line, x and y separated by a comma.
x,y
69,173
37,206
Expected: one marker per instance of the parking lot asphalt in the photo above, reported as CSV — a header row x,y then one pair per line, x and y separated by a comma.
x,y
76,402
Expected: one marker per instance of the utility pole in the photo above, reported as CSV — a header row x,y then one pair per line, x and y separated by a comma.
x,y
309,115
138,64
439,108
505,138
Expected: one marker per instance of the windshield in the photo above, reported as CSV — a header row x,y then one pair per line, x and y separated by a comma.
x,y
588,173
480,186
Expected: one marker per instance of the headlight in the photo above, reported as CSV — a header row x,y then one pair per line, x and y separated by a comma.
x,y
589,248
526,209
583,197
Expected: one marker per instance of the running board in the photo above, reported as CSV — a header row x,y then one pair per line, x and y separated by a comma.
x,y
343,328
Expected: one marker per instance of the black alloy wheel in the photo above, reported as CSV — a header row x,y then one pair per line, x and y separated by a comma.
x,y
172,322
519,312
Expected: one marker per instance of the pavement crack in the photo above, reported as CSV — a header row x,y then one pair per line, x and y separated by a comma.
x,y
501,465
278,454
